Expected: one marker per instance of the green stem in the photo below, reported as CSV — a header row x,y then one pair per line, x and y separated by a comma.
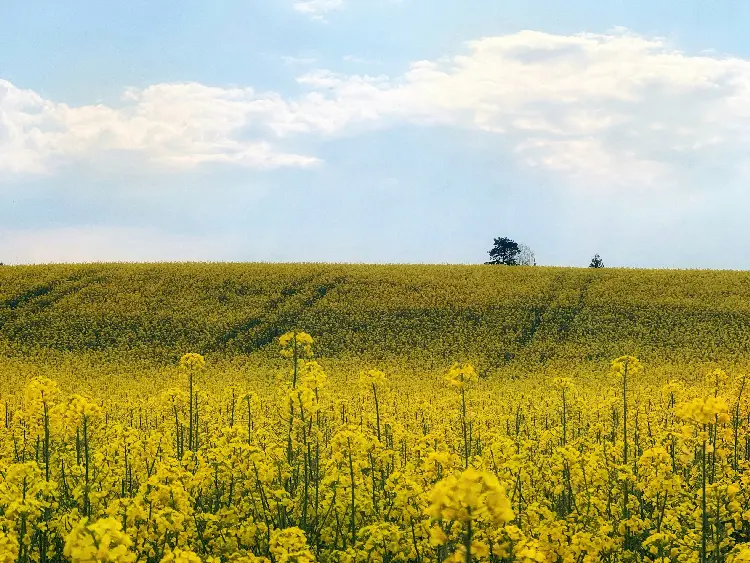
x,y
463,427
377,409
190,431
86,501
353,525
704,511
625,488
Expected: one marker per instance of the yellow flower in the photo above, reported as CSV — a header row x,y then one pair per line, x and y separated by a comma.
x,y
703,410
562,382
471,495
83,406
312,376
479,549
181,556
8,547
741,554
626,364
437,536
716,377
290,546
460,374
192,360
296,342
102,540
674,386
372,377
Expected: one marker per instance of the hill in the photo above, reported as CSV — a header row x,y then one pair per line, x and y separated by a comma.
x,y
492,315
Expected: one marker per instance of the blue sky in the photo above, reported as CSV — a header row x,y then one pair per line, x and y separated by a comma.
x,y
375,131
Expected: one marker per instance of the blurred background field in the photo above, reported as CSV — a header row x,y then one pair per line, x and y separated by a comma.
x,y
497,317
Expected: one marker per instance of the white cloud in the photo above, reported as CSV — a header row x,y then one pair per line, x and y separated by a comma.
x,y
604,110
611,109
318,8
174,125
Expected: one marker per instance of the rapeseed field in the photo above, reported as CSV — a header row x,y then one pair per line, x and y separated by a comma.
x,y
373,414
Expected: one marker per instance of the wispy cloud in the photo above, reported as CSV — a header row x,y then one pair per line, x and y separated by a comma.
x,y
301,60
359,60
318,8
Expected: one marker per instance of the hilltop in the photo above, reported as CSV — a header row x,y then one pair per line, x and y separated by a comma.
x,y
492,315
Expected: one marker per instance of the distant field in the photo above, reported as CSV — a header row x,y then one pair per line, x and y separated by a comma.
x,y
492,315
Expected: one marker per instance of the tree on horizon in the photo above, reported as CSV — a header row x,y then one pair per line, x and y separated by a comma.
x,y
526,256
504,252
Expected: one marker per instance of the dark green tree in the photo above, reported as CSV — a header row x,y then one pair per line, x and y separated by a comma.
x,y
504,252
596,262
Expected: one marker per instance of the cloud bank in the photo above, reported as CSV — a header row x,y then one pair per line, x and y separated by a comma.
x,y
599,110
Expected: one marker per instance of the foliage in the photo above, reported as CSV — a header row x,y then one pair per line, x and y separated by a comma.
x,y
505,251
526,256
596,262
285,461
382,315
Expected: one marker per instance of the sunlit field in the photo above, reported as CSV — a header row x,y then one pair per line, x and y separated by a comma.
x,y
299,413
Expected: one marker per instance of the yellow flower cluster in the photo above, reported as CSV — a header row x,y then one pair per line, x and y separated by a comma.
x,y
470,495
460,374
348,465
102,540
297,344
313,376
191,360
740,555
8,547
373,377
562,382
704,410
290,546
626,365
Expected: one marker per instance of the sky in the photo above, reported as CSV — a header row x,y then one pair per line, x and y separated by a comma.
x,y
388,131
